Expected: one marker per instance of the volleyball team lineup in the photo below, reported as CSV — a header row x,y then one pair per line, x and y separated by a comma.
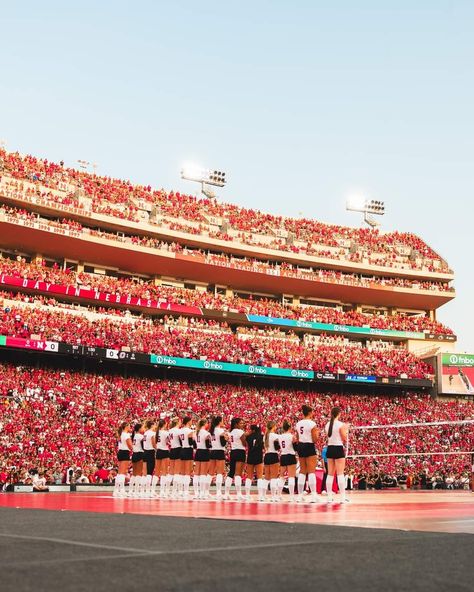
x,y
163,461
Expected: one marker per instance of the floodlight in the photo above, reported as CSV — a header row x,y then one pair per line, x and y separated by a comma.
x,y
367,207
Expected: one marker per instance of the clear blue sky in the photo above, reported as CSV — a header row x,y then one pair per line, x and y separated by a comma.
x,y
301,102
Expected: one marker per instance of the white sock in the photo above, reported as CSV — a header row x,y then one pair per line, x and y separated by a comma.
x,y
260,487
154,481
248,486
227,486
341,483
301,482
329,484
148,479
119,483
312,483
291,485
281,484
122,483
274,487
264,487
197,484
219,479
131,485
238,485
208,480
186,480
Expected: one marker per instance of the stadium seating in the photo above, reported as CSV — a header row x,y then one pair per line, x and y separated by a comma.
x,y
55,419
208,300
57,184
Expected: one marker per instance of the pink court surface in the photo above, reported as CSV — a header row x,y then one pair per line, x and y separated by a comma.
x,y
443,511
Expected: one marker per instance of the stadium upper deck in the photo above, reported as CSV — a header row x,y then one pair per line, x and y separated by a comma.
x,y
214,243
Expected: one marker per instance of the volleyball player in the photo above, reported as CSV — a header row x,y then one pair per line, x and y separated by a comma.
x,y
337,438
149,446
123,457
271,462
288,457
186,436
137,480
237,458
175,456
254,439
217,454
201,479
307,433
162,465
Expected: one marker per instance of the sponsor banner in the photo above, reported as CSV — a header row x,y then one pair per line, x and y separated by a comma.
x,y
229,367
459,360
3,340
358,378
325,376
79,292
334,328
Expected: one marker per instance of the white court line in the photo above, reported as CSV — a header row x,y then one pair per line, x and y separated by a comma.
x,y
167,552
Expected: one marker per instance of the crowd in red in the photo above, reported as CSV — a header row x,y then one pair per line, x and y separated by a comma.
x,y
281,269
52,420
122,199
206,340
210,300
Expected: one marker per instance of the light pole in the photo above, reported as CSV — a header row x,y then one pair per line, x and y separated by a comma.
x,y
205,177
368,207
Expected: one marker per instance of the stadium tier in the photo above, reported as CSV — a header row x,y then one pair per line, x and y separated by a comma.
x,y
99,270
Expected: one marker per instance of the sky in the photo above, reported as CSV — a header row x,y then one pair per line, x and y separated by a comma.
x,y
302,103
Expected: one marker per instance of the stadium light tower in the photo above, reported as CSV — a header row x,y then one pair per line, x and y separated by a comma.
x,y
205,177
368,207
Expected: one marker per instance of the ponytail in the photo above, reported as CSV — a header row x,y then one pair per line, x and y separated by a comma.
x,y
270,426
149,423
286,425
306,410
136,428
335,412
121,428
216,420
201,423
160,425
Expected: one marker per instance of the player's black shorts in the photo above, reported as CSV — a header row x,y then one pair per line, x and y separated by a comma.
x,y
235,457
287,460
217,455
202,455
335,452
306,449
175,453
255,459
149,458
123,455
161,454
137,457
186,454
270,458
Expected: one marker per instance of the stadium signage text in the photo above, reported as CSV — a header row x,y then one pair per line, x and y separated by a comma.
x,y
334,328
458,359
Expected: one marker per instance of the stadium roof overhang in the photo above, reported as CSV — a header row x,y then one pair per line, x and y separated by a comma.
x,y
143,260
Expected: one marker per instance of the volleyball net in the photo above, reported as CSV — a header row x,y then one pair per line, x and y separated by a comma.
x,y
445,446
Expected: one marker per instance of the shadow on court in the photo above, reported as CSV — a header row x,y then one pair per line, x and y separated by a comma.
x,y
47,550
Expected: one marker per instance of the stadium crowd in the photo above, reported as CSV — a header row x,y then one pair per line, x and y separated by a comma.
x,y
58,184
280,269
63,424
206,340
146,289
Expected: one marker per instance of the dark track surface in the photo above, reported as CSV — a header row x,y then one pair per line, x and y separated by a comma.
x,y
46,550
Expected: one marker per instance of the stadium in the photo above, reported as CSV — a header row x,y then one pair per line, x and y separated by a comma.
x,y
200,394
